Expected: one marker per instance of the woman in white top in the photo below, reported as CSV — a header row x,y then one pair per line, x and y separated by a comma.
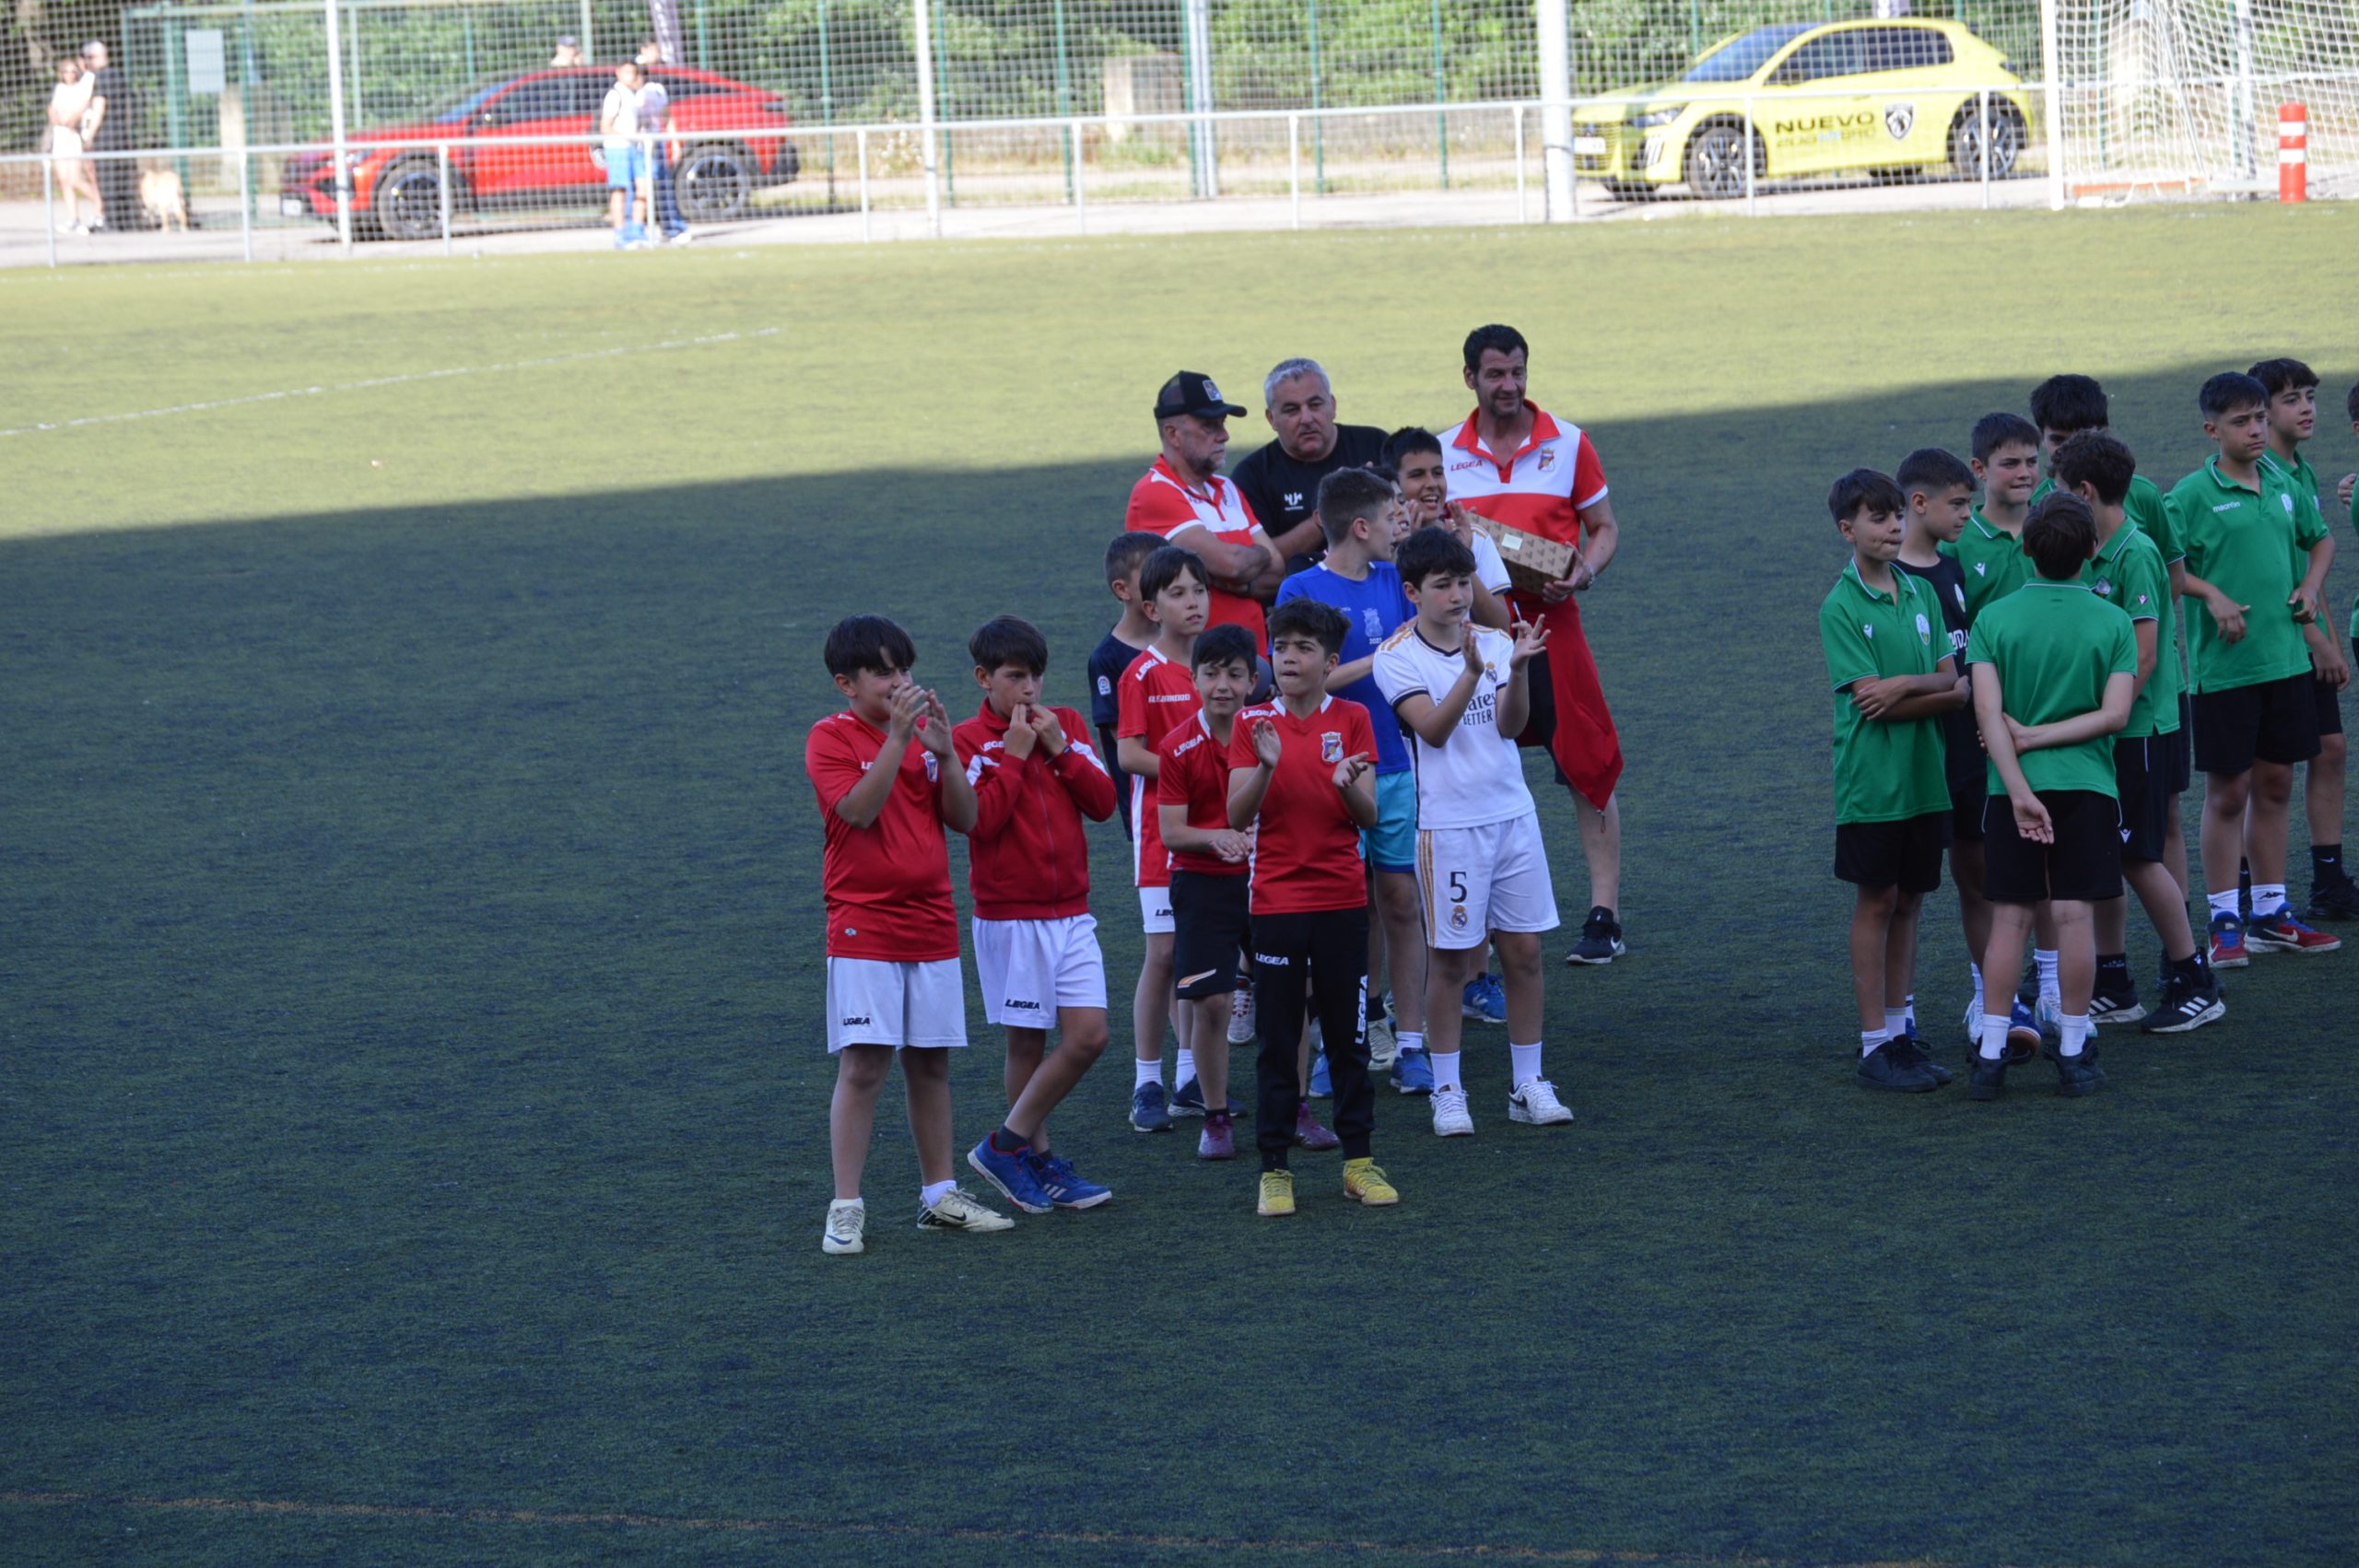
x,y
67,103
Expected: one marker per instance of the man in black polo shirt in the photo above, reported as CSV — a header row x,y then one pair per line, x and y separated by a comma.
x,y
111,101
1281,481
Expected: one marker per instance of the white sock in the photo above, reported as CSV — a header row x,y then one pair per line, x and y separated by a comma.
x,y
2269,898
1907,1012
1994,1037
1445,1070
2044,959
1870,1039
1410,1040
1896,1022
1145,1072
1527,1062
2076,1034
930,1193
1187,1069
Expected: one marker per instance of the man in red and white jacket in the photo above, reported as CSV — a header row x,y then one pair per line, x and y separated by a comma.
x,y
1035,778
1516,463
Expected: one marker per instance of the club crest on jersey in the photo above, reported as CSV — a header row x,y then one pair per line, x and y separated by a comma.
x,y
1924,629
933,769
2104,588
1458,917
1899,119
1331,747
2288,499
1960,591
1374,622
1548,459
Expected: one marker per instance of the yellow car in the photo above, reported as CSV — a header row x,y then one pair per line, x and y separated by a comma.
x,y
1887,97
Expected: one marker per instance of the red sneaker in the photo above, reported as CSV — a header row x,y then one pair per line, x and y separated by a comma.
x,y
2281,932
1219,1139
1309,1134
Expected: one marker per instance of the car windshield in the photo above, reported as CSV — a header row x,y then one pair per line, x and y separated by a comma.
x,y
468,107
1740,57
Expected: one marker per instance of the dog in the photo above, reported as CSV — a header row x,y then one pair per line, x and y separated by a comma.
x,y
162,198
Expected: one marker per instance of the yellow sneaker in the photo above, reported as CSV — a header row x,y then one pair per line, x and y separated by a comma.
x,y
1364,1180
1277,1193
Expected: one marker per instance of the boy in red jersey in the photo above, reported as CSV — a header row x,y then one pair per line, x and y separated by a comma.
x,y
1036,946
1210,863
893,980
1305,767
1156,696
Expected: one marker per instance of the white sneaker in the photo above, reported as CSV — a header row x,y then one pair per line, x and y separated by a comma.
x,y
846,1220
1382,1047
1973,1023
1537,1105
1451,1119
959,1211
1241,1015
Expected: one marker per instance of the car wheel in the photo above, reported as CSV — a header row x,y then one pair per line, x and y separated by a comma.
x,y
714,183
788,166
1716,160
2007,139
407,203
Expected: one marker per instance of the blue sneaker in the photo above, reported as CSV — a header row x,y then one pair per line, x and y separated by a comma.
x,y
1321,1086
1189,1100
2024,1037
1066,1187
1148,1113
1486,1001
1413,1073
1012,1174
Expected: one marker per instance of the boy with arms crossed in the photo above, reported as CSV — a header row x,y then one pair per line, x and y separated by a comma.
x,y
2127,572
2255,703
1463,692
1156,697
1893,678
1211,863
1115,654
2293,389
1302,765
893,982
1036,946
2054,675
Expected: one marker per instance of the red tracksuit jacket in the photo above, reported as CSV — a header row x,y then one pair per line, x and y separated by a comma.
x,y
1028,856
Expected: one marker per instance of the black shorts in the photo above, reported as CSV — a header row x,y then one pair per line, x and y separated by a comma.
x,y
1211,921
1905,854
2141,770
2083,864
1965,815
2330,701
2272,721
2182,751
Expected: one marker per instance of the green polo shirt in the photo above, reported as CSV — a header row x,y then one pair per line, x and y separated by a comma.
x,y
2245,542
1992,560
2146,509
2303,480
1885,770
2127,574
2054,646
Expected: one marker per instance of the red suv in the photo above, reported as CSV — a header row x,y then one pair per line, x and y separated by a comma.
x,y
730,134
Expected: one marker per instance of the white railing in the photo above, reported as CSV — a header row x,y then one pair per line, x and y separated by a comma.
x,y
2038,105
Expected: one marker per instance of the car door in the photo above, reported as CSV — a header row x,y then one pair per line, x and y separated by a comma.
x,y
1910,70
1822,113
509,162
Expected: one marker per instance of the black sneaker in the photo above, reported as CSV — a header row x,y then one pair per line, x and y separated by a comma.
x,y
1924,1059
1989,1080
2116,1001
2190,1000
1601,939
1900,1069
2333,901
2077,1075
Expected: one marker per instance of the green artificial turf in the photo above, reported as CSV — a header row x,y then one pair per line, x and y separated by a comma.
x,y
411,1071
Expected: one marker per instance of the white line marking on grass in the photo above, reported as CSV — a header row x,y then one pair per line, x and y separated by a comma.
x,y
374,381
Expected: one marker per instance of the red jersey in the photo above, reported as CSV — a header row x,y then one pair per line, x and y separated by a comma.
x,y
1156,696
1195,775
1307,855
887,884
1027,858
1161,502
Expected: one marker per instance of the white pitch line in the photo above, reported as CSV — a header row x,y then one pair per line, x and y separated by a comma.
x,y
391,382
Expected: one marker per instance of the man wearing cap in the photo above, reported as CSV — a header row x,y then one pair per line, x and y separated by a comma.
x,y
1184,499
1281,481
1515,464
568,51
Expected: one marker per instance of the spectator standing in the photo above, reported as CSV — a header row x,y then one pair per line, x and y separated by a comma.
x,y
68,102
108,128
1183,498
659,150
625,157
1281,481
568,51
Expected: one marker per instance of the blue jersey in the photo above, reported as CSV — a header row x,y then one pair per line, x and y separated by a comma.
x,y
1373,610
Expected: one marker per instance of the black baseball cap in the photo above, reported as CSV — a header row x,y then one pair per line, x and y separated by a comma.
x,y
1192,392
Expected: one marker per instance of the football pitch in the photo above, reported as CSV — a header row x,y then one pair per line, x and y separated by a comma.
x,y
414,1143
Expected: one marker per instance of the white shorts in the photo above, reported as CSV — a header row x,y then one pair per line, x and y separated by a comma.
x,y
1155,909
1030,968
64,142
1473,881
874,1001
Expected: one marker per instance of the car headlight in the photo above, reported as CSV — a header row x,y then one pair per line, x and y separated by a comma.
x,y
1655,117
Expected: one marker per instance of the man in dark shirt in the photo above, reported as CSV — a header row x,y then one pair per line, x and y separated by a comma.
x,y
110,103
1281,481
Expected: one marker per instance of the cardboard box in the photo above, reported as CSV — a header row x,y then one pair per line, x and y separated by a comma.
x,y
1532,562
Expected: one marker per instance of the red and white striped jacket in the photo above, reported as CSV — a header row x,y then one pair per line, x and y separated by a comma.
x,y
1027,856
